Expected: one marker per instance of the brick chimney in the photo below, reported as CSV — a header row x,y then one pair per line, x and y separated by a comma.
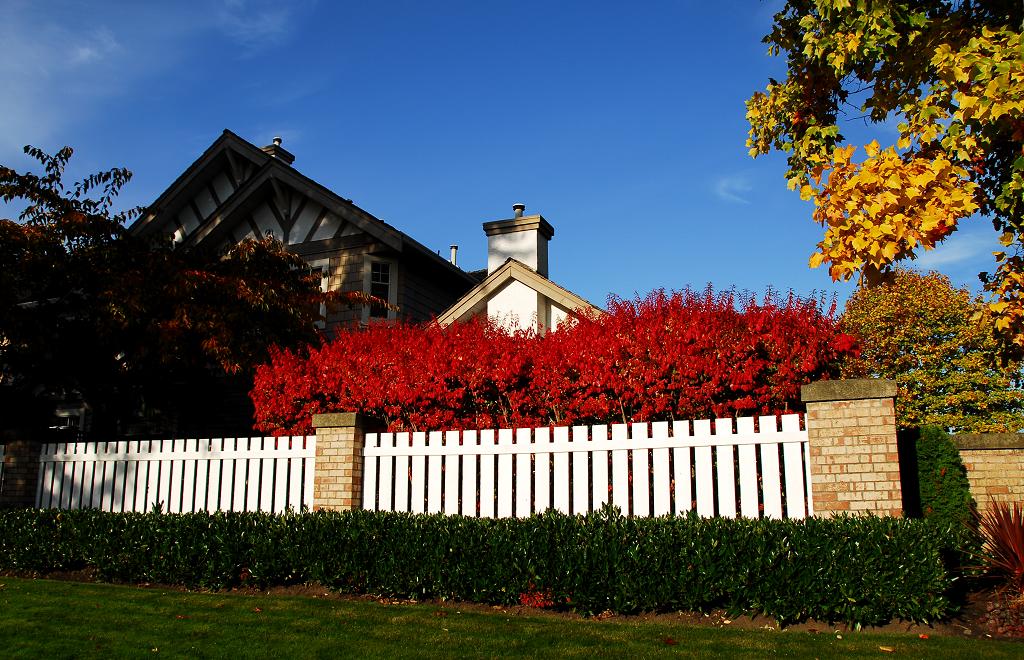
x,y
522,237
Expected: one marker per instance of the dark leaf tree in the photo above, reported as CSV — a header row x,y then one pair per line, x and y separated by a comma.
x,y
92,313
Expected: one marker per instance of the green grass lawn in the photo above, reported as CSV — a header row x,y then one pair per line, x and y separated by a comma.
x,y
49,619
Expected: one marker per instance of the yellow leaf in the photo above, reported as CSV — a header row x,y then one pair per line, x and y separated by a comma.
x,y
816,260
871,148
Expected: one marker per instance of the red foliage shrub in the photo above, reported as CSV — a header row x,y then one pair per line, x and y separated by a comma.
x,y
667,356
1003,529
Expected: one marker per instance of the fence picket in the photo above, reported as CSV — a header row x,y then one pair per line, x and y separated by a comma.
x,y
770,479
266,478
662,495
486,474
702,467
202,478
542,470
451,473
131,474
434,439
383,490
419,474
641,473
524,474
295,498
406,488
681,468
793,468
214,474
748,470
74,501
504,475
725,468
280,471
228,471
188,485
561,477
580,470
469,473
252,478
370,465
620,468
153,498
308,458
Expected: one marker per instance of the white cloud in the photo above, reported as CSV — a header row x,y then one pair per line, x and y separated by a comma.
x,y
60,67
256,24
959,248
101,45
733,188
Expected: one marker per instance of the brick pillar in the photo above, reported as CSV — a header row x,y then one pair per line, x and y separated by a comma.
x,y
20,473
338,472
851,429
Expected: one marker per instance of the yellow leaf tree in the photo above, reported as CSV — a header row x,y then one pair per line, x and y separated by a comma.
x,y
918,330
951,76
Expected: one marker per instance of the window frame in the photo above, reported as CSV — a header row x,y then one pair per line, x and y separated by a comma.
x,y
392,297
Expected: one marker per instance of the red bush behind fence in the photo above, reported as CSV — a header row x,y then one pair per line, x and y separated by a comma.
x,y
677,355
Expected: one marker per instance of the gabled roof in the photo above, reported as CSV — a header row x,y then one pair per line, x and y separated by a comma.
x,y
232,148
513,269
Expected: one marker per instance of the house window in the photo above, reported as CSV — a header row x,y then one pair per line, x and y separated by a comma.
x,y
380,280
320,268
380,287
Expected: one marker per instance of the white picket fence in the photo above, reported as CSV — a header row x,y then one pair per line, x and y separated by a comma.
x,y
232,474
2,468
644,469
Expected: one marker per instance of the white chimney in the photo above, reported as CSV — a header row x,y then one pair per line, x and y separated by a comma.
x,y
523,237
455,254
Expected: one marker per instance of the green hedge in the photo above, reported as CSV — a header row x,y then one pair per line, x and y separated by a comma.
x,y
945,490
860,570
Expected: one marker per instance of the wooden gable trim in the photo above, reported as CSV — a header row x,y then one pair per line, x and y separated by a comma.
x,y
513,270
227,142
234,149
277,174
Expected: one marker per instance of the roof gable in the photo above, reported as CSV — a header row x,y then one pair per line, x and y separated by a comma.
x,y
512,270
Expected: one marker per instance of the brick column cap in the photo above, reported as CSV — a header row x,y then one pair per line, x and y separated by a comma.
x,y
339,420
989,440
848,390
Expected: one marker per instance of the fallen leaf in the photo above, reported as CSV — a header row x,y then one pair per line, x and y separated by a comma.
x,y
886,649
923,636
257,610
181,616
669,641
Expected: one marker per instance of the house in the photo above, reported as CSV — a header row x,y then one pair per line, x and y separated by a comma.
x,y
236,190
516,290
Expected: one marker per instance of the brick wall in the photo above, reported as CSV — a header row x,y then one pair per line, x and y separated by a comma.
x,y
21,473
851,431
995,466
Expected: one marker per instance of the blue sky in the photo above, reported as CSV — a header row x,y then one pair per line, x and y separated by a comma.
x,y
622,123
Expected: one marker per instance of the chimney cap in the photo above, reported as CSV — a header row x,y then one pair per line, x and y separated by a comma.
x,y
275,150
518,209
